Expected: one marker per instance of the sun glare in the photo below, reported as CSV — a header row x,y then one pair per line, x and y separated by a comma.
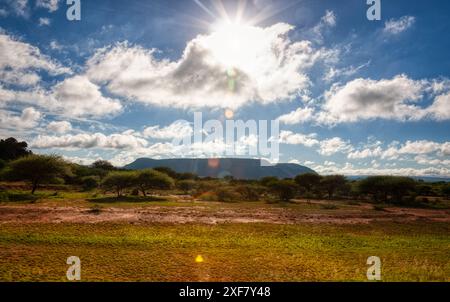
x,y
234,44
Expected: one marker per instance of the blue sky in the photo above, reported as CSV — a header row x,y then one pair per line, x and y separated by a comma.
x,y
352,96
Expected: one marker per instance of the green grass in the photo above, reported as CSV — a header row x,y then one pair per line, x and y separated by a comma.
x,y
232,252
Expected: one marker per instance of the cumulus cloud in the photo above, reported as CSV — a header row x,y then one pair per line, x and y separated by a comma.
x,y
29,118
20,62
349,169
394,151
397,26
213,72
59,127
51,5
89,141
440,109
366,99
178,129
301,115
77,96
334,145
291,138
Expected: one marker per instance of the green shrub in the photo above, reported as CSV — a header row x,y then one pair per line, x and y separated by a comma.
x,y
186,185
4,196
226,194
329,207
89,183
250,192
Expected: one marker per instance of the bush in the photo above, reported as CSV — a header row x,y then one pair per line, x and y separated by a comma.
x,y
334,183
4,196
89,183
38,169
118,181
308,182
446,190
250,192
226,194
152,180
186,185
284,189
388,188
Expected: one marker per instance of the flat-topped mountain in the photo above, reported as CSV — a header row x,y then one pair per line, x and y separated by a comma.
x,y
239,168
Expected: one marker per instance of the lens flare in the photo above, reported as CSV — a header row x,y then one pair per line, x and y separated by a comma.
x,y
199,259
229,114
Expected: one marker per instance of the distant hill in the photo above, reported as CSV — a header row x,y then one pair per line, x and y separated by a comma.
x,y
239,168
420,178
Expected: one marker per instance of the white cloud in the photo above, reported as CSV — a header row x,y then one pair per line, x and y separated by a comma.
x,y
301,115
29,118
334,73
350,170
334,145
366,99
213,72
366,153
51,5
77,96
428,161
20,62
44,22
326,22
291,138
394,151
397,26
178,129
59,127
440,109
85,141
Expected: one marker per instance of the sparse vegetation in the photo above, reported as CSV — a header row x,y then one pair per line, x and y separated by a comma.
x,y
38,169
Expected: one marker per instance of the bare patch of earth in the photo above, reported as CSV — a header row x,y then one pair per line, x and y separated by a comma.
x,y
35,213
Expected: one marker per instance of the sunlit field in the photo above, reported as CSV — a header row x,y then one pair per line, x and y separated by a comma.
x,y
160,238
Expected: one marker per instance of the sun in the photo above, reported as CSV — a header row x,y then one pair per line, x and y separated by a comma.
x,y
234,44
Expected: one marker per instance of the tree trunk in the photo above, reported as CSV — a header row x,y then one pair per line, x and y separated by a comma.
x,y
35,184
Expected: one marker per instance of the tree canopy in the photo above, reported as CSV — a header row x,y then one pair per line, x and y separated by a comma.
x,y
11,149
38,169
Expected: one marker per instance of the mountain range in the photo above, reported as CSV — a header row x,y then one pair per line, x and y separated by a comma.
x,y
239,168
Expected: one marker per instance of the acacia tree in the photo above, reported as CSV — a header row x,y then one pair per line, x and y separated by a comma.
x,y
38,169
11,149
118,181
308,181
284,189
446,190
333,183
381,187
186,185
152,180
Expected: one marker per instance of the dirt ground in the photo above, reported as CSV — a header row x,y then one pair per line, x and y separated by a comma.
x,y
203,213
